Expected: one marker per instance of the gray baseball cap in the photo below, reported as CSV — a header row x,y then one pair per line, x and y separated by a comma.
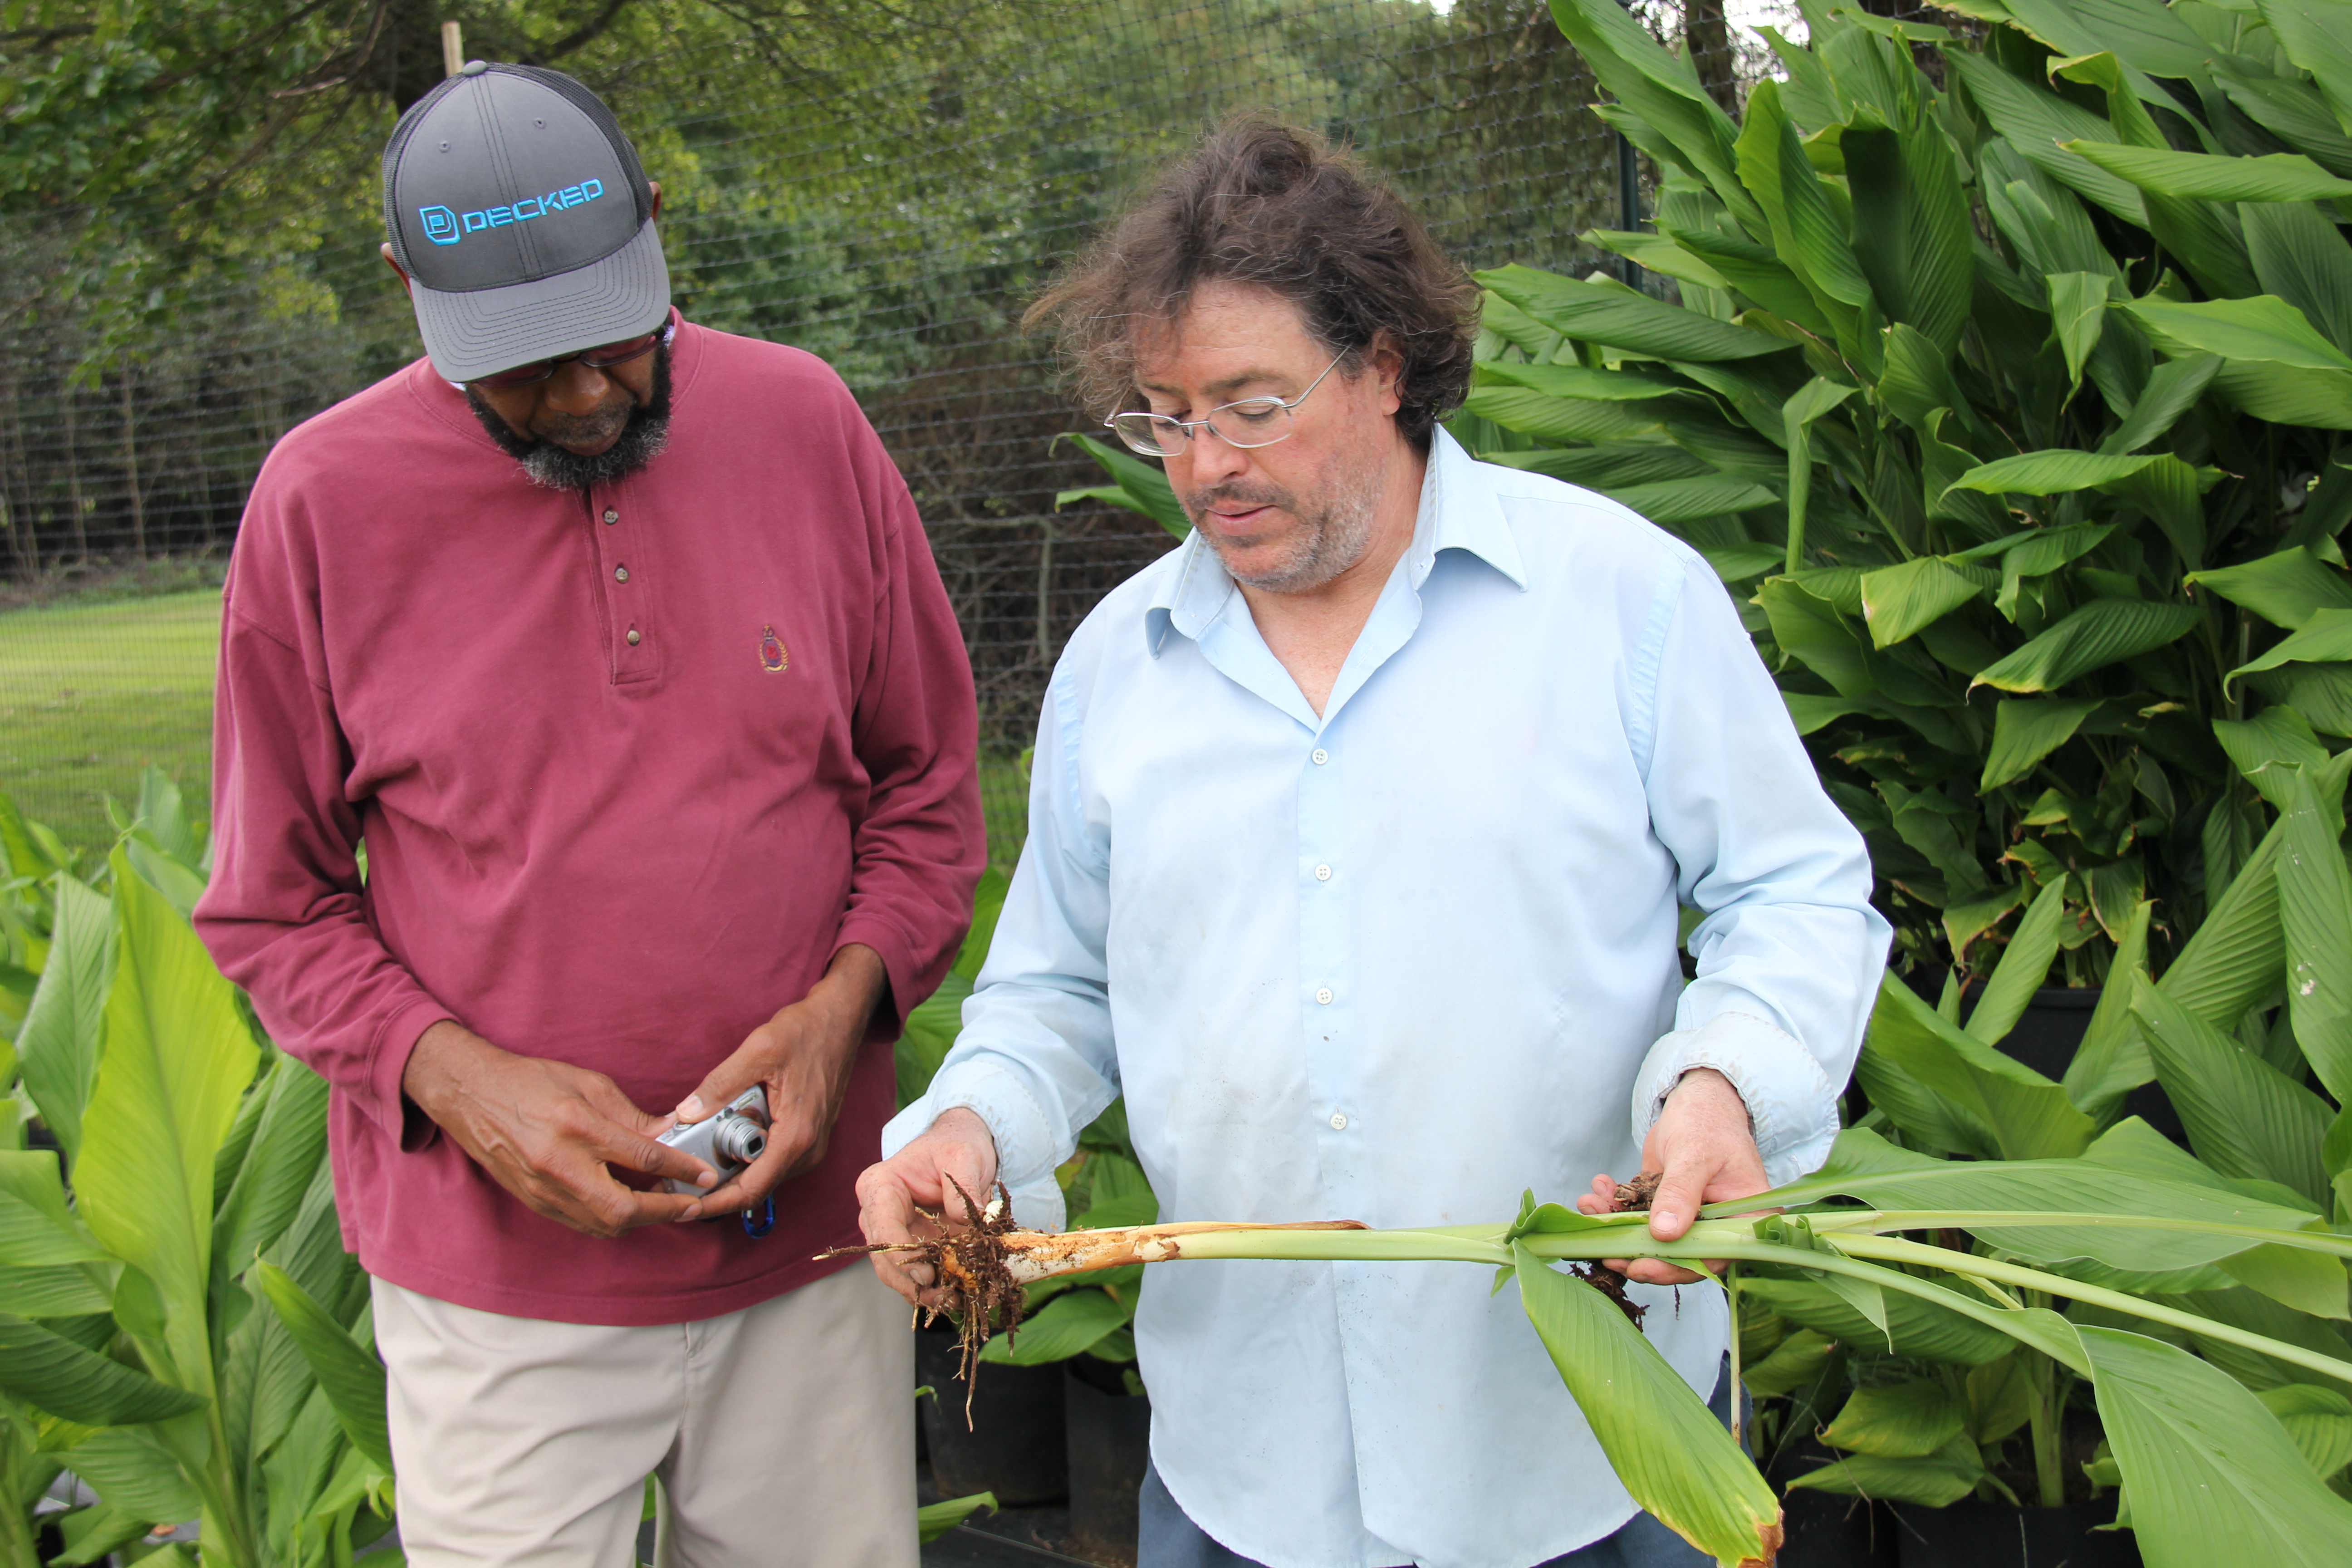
x,y
523,220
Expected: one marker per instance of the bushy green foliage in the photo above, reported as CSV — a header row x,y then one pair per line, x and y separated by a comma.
x,y
2006,382
179,1323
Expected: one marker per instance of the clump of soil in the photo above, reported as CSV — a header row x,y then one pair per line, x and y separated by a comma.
x,y
970,1268
1632,1196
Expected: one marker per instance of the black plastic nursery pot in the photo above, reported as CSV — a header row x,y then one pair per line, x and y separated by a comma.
x,y
1824,1529
1972,1534
1111,1445
1016,1446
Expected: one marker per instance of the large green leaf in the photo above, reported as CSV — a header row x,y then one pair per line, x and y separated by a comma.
x,y
2078,316
1576,381
1804,407
136,1474
2101,632
2056,472
1911,226
2244,1117
1620,319
1920,1330
1666,1447
350,1375
1905,1421
2314,33
2036,122
1935,1480
2291,109
2026,731
2023,968
2278,177
1810,627
2288,588
1559,419
1900,601
931,1033
289,1140
2314,891
178,1058
1666,501
2300,255
59,1043
2319,1420
36,1229
2173,389
2325,638
2113,1059
1661,91
1139,487
2029,1116
51,1373
2212,1476
1070,1324
2276,365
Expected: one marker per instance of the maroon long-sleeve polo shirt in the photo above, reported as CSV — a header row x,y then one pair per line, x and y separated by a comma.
x,y
629,767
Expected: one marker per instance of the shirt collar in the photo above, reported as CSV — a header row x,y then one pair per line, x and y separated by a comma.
x,y
1459,511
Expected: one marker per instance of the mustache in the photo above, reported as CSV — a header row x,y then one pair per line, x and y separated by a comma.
x,y
1199,501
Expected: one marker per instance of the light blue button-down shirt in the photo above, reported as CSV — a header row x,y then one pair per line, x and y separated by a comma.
x,y
1396,964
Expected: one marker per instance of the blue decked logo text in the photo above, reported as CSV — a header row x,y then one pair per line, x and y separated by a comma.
x,y
443,226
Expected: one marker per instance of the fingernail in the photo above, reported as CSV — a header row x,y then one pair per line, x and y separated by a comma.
x,y
708,1178
1665,1216
690,1109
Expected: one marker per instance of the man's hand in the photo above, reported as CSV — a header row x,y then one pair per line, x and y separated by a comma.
x,y
548,1131
803,1057
1705,1146
891,1195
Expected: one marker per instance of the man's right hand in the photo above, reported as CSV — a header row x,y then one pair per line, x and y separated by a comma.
x,y
548,1131
892,1194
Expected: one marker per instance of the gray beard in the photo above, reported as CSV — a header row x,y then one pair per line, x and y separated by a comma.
x,y
558,469
1333,536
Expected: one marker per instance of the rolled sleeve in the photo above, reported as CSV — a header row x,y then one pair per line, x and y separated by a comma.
x,y
1792,1104
1027,1142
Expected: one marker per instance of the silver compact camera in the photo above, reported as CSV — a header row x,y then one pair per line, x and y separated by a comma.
x,y
726,1142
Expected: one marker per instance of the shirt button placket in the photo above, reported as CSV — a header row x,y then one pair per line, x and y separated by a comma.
x,y
627,618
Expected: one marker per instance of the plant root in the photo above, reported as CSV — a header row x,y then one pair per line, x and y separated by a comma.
x,y
972,1269
979,1272
1632,1196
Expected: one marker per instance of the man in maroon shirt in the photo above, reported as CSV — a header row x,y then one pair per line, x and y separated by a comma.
x,y
618,643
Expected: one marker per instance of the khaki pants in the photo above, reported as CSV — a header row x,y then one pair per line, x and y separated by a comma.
x,y
783,1434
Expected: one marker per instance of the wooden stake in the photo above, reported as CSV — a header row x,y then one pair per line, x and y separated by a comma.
x,y
453,48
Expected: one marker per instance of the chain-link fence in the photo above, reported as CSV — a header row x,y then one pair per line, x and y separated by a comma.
x,y
892,218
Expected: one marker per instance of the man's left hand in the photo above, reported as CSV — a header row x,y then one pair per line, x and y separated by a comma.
x,y
803,1057
1705,1146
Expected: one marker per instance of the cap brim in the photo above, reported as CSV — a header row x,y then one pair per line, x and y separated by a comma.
x,y
480,333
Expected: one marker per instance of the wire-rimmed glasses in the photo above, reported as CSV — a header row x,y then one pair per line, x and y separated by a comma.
x,y
604,356
1248,422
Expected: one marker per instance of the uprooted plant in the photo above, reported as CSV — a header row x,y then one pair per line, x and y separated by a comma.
x,y
2210,1472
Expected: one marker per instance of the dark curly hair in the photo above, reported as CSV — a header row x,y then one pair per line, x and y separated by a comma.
x,y
1263,203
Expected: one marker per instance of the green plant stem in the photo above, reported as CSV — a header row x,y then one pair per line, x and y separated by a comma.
x,y
1883,1220
1892,1250
2043,1418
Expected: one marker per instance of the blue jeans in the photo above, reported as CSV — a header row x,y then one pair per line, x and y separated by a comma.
x,y
1168,1539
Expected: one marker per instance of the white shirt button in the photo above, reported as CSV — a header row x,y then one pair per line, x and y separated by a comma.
x,y
612,516
1321,756
1324,995
620,574
1338,1121
1322,873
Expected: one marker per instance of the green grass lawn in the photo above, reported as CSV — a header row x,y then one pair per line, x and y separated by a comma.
x,y
92,693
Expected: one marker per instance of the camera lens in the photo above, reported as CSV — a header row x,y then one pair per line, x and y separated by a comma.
x,y
739,1138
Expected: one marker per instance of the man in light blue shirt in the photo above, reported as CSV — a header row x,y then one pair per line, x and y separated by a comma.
x,y
1359,829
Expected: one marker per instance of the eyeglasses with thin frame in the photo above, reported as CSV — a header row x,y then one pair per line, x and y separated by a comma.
x,y
1250,422
602,357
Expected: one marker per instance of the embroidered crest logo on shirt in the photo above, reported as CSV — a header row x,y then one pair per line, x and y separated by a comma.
x,y
772,650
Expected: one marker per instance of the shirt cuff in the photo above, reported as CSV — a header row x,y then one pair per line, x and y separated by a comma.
x,y
383,1103
1024,1146
1790,1101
